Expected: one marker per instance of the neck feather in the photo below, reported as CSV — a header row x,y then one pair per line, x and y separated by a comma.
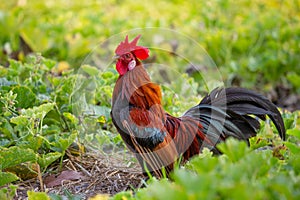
x,y
129,83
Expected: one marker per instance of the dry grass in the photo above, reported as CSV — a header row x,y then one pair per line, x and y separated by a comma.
x,y
101,174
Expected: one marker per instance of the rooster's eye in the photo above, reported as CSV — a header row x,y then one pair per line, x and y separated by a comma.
x,y
127,55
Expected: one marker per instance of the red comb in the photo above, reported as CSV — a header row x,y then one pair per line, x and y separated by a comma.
x,y
126,47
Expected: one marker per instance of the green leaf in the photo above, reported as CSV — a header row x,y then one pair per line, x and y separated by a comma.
x,y
294,79
71,117
20,120
52,129
37,43
294,148
294,161
257,142
191,185
25,97
7,129
98,111
49,63
234,149
92,71
295,132
44,160
203,163
37,195
38,112
7,177
107,75
12,156
62,142
31,141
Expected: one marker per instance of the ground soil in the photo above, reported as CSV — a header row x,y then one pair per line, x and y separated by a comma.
x,y
100,173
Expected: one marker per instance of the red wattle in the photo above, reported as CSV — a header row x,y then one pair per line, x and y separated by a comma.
x,y
121,68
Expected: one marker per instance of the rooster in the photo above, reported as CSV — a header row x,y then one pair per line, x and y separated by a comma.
x,y
158,139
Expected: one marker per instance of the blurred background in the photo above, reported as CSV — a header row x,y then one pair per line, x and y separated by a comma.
x,y
255,43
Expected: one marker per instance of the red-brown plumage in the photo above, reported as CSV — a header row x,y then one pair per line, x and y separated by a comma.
x,y
158,138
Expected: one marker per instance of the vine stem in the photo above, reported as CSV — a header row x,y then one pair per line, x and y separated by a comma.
x,y
40,177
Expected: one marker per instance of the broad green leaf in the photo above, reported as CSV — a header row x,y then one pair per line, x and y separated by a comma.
x,y
203,163
7,177
25,97
37,195
49,63
257,142
39,42
44,160
31,141
234,149
7,129
295,132
12,156
294,161
38,112
20,120
52,129
294,148
62,142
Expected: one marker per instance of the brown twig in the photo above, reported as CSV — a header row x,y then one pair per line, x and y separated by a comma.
x,y
40,177
84,170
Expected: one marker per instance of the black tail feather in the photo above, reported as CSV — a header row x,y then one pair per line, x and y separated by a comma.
x,y
230,110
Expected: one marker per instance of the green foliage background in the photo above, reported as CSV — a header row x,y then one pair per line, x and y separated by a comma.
x,y
253,42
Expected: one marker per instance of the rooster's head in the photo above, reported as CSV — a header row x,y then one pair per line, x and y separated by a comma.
x,y
128,53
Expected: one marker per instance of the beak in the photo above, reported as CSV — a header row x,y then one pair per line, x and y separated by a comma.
x,y
115,57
